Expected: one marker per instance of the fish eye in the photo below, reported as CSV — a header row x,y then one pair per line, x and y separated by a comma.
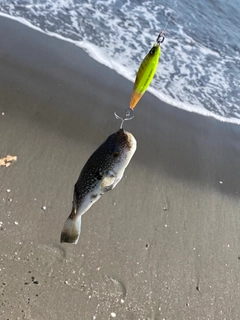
x,y
115,154
152,51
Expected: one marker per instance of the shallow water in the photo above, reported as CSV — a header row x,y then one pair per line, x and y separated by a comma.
x,y
199,69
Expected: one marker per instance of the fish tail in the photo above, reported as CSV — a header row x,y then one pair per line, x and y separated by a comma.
x,y
71,229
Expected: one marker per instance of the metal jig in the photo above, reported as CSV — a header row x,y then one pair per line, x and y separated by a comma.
x,y
129,112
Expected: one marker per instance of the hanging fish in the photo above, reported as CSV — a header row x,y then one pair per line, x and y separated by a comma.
x,y
146,71
101,173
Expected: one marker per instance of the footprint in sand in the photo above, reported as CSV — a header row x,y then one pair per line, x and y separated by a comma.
x,y
49,255
115,286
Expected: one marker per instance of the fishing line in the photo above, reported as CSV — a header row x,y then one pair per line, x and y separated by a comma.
x,y
162,34
164,29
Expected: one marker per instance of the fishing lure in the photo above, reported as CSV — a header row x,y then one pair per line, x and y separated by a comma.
x,y
146,71
144,77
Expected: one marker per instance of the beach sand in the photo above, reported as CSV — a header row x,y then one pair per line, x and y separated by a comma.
x,y
164,244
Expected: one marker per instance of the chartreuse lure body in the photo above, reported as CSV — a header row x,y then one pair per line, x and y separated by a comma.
x,y
144,77
146,72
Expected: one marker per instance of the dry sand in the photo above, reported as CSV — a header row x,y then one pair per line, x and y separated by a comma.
x,y
164,244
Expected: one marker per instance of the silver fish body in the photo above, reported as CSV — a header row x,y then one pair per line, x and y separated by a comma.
x,y
101,173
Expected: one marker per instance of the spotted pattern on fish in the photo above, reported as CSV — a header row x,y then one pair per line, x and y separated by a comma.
x,y
101,173
100,163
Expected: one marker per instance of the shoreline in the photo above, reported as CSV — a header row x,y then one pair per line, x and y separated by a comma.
x,y
205,113
163,244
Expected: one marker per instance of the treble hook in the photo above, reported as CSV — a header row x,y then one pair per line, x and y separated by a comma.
x,y
161,37
128,116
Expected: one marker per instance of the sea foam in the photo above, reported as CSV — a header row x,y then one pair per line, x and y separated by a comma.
x,y
192,75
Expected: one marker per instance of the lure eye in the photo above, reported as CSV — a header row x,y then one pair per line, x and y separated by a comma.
x,y
115,154
152,51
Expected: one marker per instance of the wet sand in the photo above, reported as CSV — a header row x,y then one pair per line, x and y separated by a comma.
x,y
164,244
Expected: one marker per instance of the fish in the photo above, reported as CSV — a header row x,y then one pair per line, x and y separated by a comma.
x,y
145,74
101,173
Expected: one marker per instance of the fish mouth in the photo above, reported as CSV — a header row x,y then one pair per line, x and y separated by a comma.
x,y
125,139
127,145
132,143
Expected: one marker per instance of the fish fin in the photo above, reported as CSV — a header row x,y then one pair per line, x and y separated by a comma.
x,y
71,229
108,181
